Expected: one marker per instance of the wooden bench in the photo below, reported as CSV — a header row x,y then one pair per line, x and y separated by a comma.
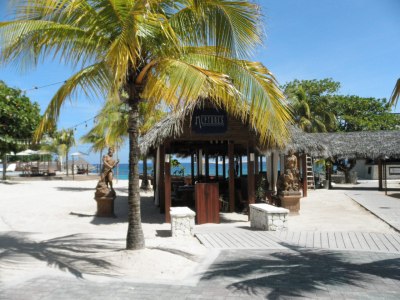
x,y
182,221
268,217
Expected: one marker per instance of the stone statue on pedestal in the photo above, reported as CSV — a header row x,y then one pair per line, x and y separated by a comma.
x,y
289,180
105,193
288,185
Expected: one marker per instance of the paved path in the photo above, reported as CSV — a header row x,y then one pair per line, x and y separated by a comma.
x,y
239,274
384,207
239,238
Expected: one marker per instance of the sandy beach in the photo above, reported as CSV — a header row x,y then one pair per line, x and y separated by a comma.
x,y
50,227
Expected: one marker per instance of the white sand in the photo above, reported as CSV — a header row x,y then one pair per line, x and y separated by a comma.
x,y
49,227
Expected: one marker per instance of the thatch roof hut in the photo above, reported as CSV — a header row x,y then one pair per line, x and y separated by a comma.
x,y
361,144
172,126
303,142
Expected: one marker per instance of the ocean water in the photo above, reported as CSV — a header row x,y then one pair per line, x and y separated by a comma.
x,y
122,171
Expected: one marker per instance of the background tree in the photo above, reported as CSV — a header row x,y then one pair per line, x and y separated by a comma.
x,y
310,101
155,50
354,113
18,120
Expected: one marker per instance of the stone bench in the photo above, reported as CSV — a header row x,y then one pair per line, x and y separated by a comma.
x,y
182,221
268,217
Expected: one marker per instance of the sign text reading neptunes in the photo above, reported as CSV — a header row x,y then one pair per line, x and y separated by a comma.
x,y
208,121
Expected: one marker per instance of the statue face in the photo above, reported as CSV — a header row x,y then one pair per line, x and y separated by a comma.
x,y
110,151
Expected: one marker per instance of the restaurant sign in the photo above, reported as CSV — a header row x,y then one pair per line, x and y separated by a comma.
x,y
209,121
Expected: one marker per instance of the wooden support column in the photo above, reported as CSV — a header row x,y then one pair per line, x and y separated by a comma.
x,y
167,191
304,172
261,163
223,166
207,167
240,167
216,166
256,164
272,168
192,166
250,175
161,180
330,175
231,177
380,173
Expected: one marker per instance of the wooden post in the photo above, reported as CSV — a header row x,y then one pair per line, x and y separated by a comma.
x,y
256,163
380,172
240,167
261,163
216,167
250,175
304,172
207,167
167,191
192,167
231,177
223,166
161,180
273,182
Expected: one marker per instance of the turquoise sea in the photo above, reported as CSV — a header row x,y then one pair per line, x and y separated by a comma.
x,y
122,171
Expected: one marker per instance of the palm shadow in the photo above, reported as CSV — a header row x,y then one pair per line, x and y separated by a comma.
x,y
75,189
150,213
75,254
296,271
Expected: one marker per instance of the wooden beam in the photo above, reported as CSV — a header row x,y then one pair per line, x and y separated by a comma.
x,y
231,151
216,167
207,167
261,163
256,165
223,166
273,182
251,195
240,167
192,167
167,191
304,172
161,180
380,173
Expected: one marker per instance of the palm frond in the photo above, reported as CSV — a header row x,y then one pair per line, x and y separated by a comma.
x,y
92,81
395,94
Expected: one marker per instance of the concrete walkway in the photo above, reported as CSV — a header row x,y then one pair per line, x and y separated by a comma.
x,y
385,207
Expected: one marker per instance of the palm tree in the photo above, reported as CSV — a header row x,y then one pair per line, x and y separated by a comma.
x,y
64,140
311,116
395,94
173,52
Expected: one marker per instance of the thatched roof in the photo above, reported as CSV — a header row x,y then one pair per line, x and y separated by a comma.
x,y
361,144
302,142
171,127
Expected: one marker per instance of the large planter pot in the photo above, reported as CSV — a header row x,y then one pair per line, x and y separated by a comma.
x,y
291,201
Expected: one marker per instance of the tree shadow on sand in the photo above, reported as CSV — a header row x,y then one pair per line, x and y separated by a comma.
x,y
298,271
150,213
75,254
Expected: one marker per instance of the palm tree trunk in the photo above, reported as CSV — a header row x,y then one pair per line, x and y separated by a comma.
x,y
135,237
145,181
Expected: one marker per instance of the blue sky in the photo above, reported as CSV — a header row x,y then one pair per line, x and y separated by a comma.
x,y
355,42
